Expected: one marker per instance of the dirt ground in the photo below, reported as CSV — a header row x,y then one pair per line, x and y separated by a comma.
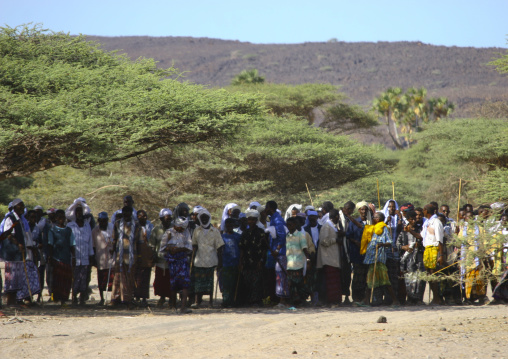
x,y
344,332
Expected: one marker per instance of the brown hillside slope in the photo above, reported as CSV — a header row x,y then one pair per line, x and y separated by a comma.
x,y
362,69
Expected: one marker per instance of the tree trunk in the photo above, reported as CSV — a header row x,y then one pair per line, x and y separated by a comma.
x,y
392,131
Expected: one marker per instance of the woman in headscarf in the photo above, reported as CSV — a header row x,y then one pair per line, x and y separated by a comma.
x,y
207,243
176,246
293,210
231,210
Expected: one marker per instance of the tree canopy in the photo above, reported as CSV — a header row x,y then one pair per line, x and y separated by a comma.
x,y
408,111
63,100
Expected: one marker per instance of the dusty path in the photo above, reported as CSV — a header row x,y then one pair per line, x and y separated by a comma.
x,y
414,332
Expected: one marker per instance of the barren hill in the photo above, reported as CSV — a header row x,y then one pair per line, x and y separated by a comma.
x,y
362,69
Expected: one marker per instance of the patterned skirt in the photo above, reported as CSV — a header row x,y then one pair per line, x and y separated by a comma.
x,y
102,279
161,283
16,279
80,284
123,284
281,280
333,281
61,275
378,278
179,274
142,282
296,286
203,280
430,257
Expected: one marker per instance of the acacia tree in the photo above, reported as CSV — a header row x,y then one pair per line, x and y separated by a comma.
x,y
63,100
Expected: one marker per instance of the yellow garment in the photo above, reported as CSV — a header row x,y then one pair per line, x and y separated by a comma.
x,y
430,257
475,285
368,231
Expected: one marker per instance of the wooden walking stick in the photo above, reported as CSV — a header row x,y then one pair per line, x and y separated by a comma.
x,y
216,287
378,198
393,190
310,197
373,277
109,276
458,205
26,275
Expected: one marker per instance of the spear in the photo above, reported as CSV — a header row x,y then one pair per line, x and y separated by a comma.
x,y
378,198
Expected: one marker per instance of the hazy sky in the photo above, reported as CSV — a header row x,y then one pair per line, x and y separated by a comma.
x,y
444,22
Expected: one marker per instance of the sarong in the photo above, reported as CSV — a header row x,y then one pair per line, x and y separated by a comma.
x,y
475,284
359,283
203,280
16,279
296,286
142,282
80,284
102,279
281,281
14,276
179,272
430,257
33,279
252,286
332,282
62,280
500,292
228,277
123,284
161,283
379,278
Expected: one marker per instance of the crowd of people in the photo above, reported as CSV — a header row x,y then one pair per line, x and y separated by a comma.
x,y
262,256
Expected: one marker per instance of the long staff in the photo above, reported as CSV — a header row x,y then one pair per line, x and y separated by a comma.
x,y
393,191
109,276
378,198
216,287
373,277
458,205
310,197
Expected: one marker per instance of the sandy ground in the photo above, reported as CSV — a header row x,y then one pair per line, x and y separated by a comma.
x,y
346,332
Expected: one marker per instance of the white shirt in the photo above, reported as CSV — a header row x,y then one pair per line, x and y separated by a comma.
x,y
433,232
315,235
84,243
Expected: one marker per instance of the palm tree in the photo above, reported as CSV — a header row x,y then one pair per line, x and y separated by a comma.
x,y
440,107
389,105
248,77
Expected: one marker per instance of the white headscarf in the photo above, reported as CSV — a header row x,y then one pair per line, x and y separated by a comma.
x,y
70,212
254,204
395,218
181,222
363,204
225,214
288,212
202,212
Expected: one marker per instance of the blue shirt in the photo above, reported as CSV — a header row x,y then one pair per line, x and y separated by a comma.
x,y
231,252
355,233
280,238
370,255
61,239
